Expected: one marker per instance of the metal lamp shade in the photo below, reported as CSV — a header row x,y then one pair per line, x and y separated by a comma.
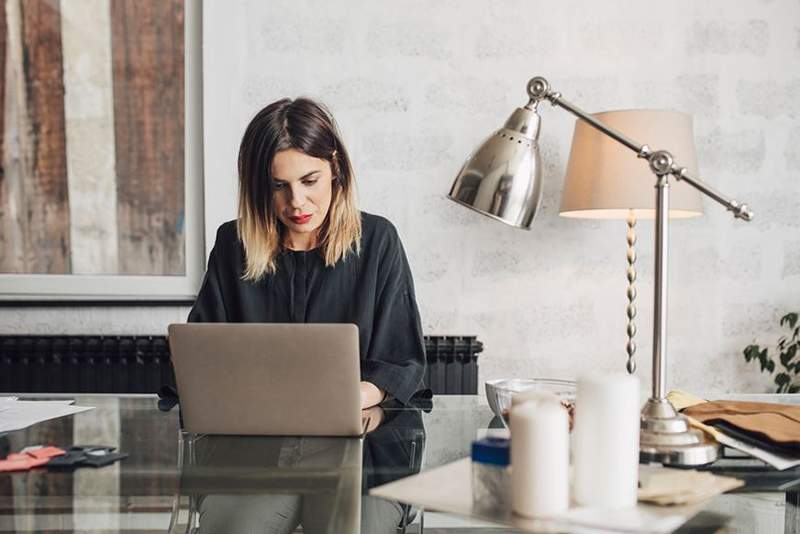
x,y
502,179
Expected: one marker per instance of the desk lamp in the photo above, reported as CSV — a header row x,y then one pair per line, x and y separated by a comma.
x,y
604,182
502,179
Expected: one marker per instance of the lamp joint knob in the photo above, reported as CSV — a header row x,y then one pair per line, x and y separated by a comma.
x,y
740,211
679,172
661,162
538,88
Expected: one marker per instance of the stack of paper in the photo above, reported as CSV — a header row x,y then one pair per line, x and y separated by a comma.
x,y
16,414
780,461
663,486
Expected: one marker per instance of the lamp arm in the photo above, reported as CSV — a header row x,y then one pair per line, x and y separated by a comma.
x,y
661,162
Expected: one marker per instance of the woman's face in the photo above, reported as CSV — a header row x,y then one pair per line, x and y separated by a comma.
x,y
302,194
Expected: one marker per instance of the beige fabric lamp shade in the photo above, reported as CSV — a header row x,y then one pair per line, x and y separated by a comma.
x,y
605,180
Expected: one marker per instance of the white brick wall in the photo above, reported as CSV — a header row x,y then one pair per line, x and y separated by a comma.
x,y
415,85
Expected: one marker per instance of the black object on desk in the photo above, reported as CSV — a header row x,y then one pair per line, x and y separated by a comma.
x,y
86,456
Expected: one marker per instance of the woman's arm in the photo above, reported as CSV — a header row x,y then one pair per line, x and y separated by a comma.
x,y
395,361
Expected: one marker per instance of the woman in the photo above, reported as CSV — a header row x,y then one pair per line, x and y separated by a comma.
x,y
301,252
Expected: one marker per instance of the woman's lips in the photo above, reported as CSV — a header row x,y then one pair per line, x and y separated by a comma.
x,y
300,219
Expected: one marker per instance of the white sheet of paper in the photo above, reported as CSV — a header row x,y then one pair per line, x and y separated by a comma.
x,y
776,460
16,415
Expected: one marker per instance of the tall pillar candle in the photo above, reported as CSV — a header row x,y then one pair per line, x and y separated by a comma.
x,y
536,396
539,459
606,447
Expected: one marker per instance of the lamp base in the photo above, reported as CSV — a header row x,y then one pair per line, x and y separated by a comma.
x,y
665,438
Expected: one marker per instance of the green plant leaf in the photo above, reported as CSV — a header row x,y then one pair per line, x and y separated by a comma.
x,y
790,319
751,352
788,356
763,362
788,351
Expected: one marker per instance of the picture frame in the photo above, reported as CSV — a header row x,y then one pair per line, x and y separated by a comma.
x,y
182,285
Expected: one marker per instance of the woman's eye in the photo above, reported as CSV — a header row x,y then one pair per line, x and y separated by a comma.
x,y
310,182
278,185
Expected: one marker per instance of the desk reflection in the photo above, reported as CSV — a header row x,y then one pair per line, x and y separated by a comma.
x,y
246,484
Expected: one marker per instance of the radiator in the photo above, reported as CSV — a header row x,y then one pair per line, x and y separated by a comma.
x,y
141,364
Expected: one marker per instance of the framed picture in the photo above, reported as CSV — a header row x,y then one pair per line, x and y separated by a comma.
x,y
101,135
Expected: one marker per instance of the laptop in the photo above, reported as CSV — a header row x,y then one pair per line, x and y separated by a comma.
x,y
268,379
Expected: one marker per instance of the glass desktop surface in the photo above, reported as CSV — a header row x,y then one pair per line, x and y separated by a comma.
x,y
252,484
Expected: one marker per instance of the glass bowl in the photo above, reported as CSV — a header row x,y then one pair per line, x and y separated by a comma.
x,y
499,392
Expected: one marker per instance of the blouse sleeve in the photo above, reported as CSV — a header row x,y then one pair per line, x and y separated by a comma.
x,y
395,360
209,306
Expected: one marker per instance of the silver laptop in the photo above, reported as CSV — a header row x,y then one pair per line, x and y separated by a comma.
x,y
268,379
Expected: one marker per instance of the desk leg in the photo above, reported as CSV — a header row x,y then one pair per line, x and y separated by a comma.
x,y
792,514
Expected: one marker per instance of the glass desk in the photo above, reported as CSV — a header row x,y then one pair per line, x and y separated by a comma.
x,y
245,484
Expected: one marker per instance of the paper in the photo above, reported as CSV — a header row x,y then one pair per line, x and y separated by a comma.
x,y
666,486
16,414
681,400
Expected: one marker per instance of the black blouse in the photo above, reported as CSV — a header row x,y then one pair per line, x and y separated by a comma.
x,y
373,290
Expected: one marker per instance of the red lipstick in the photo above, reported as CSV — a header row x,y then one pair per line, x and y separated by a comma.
x,y
301,219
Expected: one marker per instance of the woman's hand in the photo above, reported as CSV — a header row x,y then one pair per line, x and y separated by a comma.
x,y
371,395
373,417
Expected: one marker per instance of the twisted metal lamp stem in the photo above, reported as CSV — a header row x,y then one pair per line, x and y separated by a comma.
x,y
631,309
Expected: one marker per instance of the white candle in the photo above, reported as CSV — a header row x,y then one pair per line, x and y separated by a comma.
x,y
539,459
534,396
606,434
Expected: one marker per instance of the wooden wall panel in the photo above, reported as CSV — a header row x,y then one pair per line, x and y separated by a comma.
x,y
89,118
35,217
147,55
7,253
3,37
12,231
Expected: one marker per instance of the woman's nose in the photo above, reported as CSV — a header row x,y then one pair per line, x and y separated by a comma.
x,y
298,199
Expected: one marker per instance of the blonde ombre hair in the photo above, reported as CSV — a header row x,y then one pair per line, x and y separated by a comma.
x,y
307,126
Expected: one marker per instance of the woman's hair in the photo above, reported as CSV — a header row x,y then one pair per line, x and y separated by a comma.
x,y
307,126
